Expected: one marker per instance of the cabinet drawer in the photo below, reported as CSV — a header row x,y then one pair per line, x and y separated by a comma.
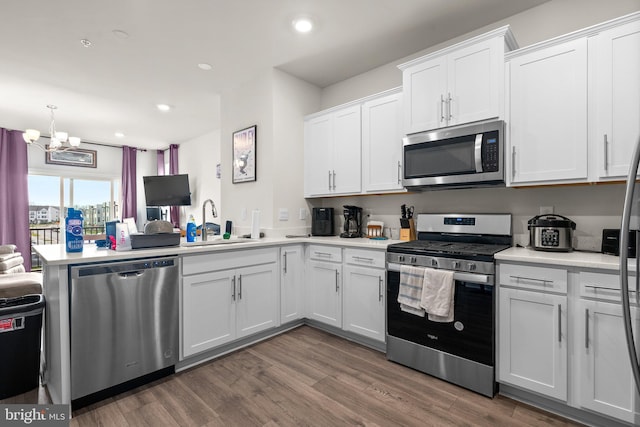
x,y
215,261
604,286
365,257
325,253
533,277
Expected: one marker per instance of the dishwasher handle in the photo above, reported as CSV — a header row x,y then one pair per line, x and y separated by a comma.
x,y
128,274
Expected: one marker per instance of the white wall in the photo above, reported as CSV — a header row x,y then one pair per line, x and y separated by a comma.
x,y
276,103
198,157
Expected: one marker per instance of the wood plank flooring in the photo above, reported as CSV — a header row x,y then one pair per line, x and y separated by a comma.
x,y
307,377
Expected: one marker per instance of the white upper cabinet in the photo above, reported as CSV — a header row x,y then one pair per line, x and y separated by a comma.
x,y
332,143
616,102
460,84
382,144
548,114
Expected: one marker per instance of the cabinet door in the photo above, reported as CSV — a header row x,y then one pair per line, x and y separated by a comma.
x,y
347,154
324,292
257,297
291,283
617,101
382,144
606,381
208,312
424,88
364,302
548,129
318,137
533,341
475,76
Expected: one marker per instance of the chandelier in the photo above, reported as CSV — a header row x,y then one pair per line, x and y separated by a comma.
x,y
57,138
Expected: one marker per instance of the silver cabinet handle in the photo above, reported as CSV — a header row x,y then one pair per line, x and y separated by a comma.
x,y
559,322
334,180
399,172
233,295
586,328
329,180
285,262
606,154
441,108
240,286
322,254
543,281
361,259
379,288
513,162
449,101
337,278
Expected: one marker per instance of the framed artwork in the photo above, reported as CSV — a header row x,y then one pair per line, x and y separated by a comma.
x,y
244,155
73,157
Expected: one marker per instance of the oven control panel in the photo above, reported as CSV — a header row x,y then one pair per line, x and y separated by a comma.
x,y
460,265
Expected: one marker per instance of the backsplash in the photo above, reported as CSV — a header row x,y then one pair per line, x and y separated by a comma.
x,y
591,207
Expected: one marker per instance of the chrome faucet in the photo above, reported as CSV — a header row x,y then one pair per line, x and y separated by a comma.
x,y
204,218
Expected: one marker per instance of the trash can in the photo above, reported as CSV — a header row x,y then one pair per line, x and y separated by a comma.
x,y
20,333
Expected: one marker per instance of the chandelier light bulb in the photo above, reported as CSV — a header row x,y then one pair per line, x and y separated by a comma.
x,y
74,141
31,135
62,136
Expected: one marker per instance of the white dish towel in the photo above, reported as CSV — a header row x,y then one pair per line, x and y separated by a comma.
x,y
438,295
410,291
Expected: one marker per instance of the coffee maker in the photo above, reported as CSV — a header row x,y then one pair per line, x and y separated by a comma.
x,y
352,221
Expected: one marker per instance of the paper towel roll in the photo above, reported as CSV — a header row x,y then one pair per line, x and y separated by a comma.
x,y
255,224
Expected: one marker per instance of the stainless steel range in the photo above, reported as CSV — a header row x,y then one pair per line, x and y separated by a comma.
x,y
461,351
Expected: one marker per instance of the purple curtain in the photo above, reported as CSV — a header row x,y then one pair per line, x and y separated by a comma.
x,y
173,170
160,160
129,190
14,193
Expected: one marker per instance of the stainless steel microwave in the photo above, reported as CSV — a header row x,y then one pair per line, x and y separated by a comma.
x,y
470,155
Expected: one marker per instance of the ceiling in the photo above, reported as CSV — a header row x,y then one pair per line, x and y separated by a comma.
x,y
145,52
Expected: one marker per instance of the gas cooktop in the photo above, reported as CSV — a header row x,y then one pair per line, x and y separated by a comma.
x,y
430,247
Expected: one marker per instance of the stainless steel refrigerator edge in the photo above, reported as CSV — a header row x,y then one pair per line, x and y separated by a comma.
x,y
631,211
124,322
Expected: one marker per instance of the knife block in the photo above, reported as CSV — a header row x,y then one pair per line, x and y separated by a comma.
x,y
408,233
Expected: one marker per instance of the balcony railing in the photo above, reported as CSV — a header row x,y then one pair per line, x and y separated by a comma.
x,y
51,236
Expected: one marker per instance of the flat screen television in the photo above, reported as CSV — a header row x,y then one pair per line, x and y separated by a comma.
x,y
167,190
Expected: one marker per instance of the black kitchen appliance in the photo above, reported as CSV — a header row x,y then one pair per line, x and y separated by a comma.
x,y
611,242
352,222
463,351
322,222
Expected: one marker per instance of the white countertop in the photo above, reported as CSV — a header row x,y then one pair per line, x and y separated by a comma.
x,y
566,259
57,255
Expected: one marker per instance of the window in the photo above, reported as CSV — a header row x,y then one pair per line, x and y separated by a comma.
x,y
96,198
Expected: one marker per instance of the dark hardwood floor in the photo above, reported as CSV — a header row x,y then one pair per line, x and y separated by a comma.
x,y
307,377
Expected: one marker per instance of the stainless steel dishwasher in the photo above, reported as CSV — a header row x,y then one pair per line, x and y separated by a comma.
x,y
124,322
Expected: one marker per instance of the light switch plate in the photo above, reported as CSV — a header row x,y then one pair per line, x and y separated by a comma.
x,y
283,214
303,214
546,210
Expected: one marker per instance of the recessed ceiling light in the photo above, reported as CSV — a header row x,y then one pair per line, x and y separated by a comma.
x,y
163,107
205,66
119,135
303,25
85,42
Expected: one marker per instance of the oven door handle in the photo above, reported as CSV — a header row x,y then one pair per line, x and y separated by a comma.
x,y
463,277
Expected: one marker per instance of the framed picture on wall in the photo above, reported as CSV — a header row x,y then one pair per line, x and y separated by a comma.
x,y
72,157
244,155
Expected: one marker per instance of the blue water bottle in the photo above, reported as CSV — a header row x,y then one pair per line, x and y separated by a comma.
x,y
73,228
191,229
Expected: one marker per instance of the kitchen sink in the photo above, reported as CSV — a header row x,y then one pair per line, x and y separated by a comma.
x,y
216,241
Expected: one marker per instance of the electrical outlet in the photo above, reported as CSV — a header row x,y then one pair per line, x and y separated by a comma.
x,y
302,214
283,214
546,210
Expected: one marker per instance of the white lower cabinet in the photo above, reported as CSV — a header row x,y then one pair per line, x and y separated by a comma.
x,y
324,292
291,283
606,380
533,341
226,296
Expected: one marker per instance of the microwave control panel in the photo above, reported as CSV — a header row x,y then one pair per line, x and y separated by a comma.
x,y
490,152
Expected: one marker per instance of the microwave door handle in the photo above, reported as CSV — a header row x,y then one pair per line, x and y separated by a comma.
x,y
478,153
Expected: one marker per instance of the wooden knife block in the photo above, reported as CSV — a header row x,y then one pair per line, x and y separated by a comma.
x,y
408,234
